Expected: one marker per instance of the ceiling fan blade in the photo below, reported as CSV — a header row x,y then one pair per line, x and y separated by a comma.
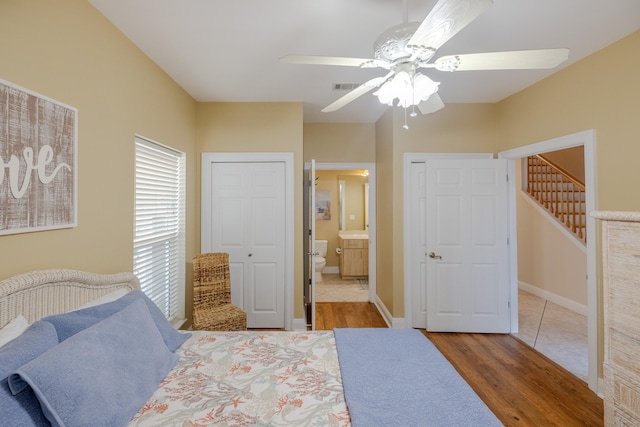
x,y
356,93
324,60
445,20
515,60
431,105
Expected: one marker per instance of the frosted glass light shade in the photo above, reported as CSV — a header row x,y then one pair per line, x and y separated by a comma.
x,y
409,90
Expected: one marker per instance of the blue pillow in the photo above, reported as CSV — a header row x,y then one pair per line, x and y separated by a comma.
x,y
69,324
24,409
102,375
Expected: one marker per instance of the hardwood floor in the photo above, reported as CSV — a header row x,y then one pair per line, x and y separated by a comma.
x,y
519,384
331,315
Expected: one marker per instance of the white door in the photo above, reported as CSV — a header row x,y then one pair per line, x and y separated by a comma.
x,y
248,222
417,220
312,241
466,246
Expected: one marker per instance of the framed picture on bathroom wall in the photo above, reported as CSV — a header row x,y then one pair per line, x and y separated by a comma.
x,y
323,205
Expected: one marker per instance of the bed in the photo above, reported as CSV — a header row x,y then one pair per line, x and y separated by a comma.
x,y
91,349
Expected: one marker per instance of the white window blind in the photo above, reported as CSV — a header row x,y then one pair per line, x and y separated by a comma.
x,y
158,247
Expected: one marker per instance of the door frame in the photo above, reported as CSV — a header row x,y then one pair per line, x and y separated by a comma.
x,y
205,199
312,241
588,140
371,167
408,230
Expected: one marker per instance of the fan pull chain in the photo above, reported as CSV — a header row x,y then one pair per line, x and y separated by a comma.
x,y
413,94
405,126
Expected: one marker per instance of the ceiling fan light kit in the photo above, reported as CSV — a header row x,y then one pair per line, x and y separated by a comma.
x,y
404,49
409,87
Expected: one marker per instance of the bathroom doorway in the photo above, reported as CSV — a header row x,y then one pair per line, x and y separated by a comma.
x,y
345,210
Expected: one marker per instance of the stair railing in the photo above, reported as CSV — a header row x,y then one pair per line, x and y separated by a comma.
x,y
559,192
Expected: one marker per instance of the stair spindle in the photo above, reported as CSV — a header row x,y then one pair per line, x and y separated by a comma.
x,y
561,195
559,192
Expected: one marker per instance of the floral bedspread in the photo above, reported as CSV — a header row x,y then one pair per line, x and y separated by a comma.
x,y
251,379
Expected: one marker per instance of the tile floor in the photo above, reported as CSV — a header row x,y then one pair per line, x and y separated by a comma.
x,y
334,289
558,333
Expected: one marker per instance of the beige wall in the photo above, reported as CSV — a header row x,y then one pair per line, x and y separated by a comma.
x,y
591,94
339,142
259,127
384,210
547,258
68,51
571,160
457,128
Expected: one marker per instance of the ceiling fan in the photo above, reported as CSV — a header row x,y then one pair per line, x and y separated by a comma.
x,y
406,48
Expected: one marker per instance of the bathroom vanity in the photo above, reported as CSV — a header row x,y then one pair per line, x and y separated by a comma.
x,y
354,259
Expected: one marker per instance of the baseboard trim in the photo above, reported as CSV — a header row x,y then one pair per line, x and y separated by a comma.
x,y
600,391
299,324
554,298
383,311
392,322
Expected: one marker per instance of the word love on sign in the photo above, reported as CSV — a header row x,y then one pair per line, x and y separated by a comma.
x,y
45,157
38,167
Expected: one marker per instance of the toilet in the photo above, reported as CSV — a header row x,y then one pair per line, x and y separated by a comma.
x,y
319,259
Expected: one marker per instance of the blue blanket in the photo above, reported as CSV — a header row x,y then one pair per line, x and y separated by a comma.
x,y
102,375
396,377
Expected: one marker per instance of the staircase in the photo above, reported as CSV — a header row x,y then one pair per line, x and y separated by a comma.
x,y
561,194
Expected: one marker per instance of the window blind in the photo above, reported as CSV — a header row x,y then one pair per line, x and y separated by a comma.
x,y
159,242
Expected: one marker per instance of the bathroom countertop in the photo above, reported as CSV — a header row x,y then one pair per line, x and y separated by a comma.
x,y
353,234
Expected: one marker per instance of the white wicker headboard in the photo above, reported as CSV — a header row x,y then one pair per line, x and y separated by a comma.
x,y
45,292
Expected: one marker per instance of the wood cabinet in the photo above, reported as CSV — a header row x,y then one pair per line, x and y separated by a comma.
x,y
621,298
354,259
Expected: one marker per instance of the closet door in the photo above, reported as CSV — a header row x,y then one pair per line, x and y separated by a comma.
x,y
246,218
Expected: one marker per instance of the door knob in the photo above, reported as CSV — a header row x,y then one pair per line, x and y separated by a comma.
x,y
434,256
250,254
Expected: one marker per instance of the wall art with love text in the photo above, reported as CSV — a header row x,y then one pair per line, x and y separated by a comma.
x,y
38,162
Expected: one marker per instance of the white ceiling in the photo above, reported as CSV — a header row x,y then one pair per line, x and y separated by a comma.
x,y
227,51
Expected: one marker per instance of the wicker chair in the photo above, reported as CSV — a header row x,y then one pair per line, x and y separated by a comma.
x,y
212,307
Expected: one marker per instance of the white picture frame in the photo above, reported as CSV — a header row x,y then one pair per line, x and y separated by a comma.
x,y
38,162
